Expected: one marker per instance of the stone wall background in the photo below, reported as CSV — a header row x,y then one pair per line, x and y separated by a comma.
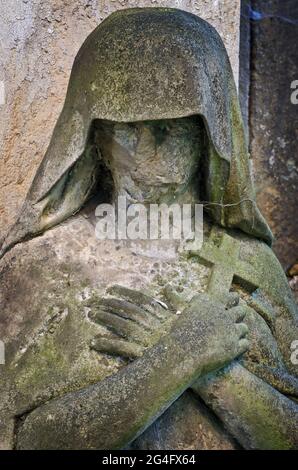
x,y
273,119
38,42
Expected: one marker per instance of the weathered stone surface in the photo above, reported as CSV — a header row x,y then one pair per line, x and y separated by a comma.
x,y
49,338
274,119
74,404
186,425
39,41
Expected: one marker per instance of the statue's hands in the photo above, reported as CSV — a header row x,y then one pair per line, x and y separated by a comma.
x,y
135,321
215,334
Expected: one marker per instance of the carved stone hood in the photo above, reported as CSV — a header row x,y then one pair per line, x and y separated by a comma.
x,y
149,64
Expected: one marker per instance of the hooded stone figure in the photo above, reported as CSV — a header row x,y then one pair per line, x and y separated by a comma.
x,y
127,71
151,112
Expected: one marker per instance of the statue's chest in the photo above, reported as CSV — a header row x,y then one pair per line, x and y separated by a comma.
x,y
222,263
149,266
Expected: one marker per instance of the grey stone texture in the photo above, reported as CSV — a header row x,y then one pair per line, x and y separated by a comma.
x,y
93,365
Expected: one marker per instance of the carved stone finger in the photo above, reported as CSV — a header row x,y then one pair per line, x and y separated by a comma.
x,y
263,308
232,300
237,313
243,345
117,347
121,326
242,330
126,309
175,299
144,301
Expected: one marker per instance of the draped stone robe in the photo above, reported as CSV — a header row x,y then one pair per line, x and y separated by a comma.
x,y
45,287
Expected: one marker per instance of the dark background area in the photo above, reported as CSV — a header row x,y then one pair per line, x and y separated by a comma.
x,y
268,66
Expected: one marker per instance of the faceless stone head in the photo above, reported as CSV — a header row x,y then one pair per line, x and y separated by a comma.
x,y
152,160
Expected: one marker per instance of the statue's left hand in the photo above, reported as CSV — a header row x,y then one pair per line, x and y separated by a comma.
x,y
136,321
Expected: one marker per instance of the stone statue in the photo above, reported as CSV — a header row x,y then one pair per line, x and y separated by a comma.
x,y
113,344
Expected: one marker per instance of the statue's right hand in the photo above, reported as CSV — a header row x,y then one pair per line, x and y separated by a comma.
x,y
206,330
211,333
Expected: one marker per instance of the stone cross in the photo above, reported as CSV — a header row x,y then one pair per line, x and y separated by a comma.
x,y
226,265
